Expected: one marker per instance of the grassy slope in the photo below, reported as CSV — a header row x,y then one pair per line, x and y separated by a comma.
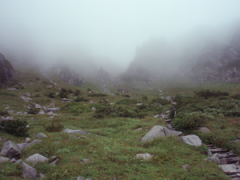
x,y
113,143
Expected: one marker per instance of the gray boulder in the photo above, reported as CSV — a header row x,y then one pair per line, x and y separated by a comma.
x,y
29,172
7,118
70,131
204,130
37,158
3,159
47,110
41,136
25,145
192,140
158,131
10,149
41,112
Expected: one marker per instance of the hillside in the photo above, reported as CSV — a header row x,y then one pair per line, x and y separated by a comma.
x,y
103,136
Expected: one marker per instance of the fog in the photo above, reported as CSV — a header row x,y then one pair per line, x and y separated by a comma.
x,y
109,33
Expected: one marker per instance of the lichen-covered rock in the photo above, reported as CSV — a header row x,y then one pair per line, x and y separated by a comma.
x,y
10,150
29,172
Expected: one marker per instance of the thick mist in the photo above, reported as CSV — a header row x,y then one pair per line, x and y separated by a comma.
x,y
160,36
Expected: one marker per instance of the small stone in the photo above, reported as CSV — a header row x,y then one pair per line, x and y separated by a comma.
x,y
93,108
13,160
186,166
204,130
138,129
54,163
85,160
3,159
80,178
145,156
28,140
41,136
213,159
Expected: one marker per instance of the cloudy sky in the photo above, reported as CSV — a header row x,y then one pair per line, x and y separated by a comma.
x,y
108,28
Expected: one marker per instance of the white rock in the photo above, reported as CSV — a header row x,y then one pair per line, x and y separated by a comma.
x,y
41,136
158,131
11,111
93,108
145,156
10,149
192,140
204,130
41,112
8,118
37,158
28,140
70,131
3,159
29,172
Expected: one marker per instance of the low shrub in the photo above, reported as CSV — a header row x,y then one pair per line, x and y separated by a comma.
x,y
3,113
144,98
15,127
77,92
127,101
64,90
63,95
2,93
160,101
77,108
125,95
53,126
33,110
207,93
97,95
70,91
79,99
191,120
51,95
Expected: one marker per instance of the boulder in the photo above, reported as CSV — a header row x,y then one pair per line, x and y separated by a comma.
x,y
70,131
11,112
37,158
38,106
41,136
3,159
192,140
25,145
204,130
41,112
13,160
29,172
8,118
158,131
145,156
65,100
47,110
27,94
10,149
230,168
26,99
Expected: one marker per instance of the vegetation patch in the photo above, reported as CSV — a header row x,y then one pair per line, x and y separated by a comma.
x,y
14,127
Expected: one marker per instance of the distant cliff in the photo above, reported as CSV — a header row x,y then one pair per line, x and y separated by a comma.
x,y
6,71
